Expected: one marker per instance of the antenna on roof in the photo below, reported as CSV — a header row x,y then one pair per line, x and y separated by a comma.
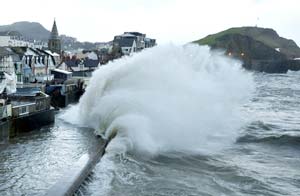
x,y
257,20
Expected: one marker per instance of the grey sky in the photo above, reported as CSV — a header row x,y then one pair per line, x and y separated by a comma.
x,y
177,21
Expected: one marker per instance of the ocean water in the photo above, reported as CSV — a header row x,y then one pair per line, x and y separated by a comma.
x,y
34,161
192,122
188,122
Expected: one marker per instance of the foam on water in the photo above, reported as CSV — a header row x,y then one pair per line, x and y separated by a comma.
x,y
168,98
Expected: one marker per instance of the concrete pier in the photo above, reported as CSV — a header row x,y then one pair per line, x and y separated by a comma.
x,y
31,122
74,177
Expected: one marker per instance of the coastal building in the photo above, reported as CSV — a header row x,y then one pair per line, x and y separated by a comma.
x,y
84,61
149,43
66,88
140,39
127,43
31,109
28,64
53,56
54,42
15,39
60,76
8,60
130,42
35,65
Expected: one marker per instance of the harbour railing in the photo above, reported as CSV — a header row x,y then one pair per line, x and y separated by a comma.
x,y
5,111
25,108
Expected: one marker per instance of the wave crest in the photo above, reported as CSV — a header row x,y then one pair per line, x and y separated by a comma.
x,y
168,98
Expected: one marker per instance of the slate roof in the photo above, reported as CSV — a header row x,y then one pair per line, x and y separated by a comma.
x,y
72,63
19,50
91,63
5,51
126,41
135,33
27,91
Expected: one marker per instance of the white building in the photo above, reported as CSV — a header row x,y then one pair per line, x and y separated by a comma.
x,y
10,63
7,40
36,64
140,39
127,43
131,42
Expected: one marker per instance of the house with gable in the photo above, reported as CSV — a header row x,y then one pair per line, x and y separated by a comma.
x,y
10,63
127,42
140,40
8,60
35,64
130,42
84,61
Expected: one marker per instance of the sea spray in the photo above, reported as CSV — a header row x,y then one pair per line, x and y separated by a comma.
x,y
168,98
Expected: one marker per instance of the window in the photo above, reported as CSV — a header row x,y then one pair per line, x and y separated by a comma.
x,y
23,110
19,77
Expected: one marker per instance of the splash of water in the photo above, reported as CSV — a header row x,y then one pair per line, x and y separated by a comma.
x,y
168,98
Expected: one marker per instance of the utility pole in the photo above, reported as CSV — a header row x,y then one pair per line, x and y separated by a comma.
x,y
257,20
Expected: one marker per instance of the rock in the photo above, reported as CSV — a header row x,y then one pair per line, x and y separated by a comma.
x,y
259,49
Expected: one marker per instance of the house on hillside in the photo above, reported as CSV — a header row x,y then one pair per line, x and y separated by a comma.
x,y
15,39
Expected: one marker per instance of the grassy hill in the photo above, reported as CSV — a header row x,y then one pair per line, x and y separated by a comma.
x,y
35,30
267,36
32,30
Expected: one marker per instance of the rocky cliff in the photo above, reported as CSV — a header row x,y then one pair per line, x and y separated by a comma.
x,y
260,49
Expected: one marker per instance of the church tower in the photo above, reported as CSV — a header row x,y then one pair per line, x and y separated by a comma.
x,y
54,43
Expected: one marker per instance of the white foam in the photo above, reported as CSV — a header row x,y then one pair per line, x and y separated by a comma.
x,y
168,98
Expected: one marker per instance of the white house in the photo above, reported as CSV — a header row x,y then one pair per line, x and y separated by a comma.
x,y
9,62
130,42
83,61
9,40
127,43
54,55
140,39
36,65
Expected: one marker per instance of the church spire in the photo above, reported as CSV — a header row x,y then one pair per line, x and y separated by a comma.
x,y
54,43
54,32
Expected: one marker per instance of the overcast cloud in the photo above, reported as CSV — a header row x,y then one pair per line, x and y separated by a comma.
x,y
177,21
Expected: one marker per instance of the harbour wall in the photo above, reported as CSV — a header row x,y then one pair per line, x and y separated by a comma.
x,y
71,179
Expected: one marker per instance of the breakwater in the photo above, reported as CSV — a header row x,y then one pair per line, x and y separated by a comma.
x,y
75,175
32,162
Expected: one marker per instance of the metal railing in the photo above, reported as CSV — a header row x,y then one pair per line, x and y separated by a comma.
x,y
31,107
5,111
